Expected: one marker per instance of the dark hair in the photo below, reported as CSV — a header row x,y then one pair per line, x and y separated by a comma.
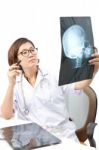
x,y
13,51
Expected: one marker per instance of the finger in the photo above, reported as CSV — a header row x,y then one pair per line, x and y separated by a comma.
x,y
94,59
95,62
16,71
13,68
95,54
95,49
13,72
14,65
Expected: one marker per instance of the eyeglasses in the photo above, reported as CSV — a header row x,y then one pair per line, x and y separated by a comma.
x,y
26,52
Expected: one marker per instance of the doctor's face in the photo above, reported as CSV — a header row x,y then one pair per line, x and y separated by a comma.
x,y
27,53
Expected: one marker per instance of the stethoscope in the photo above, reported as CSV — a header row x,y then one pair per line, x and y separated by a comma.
x,y
25,111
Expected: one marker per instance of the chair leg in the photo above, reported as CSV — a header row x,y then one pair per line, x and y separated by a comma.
x,y
90,132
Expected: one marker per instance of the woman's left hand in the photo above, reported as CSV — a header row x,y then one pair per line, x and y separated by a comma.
x,y
95,60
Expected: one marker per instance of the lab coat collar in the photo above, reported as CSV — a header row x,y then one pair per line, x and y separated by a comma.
x,y
42,72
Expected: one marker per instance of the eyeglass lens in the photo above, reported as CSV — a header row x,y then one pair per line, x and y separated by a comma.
x,y
26,52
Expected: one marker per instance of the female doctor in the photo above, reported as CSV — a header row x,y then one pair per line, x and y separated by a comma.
x,y
34,94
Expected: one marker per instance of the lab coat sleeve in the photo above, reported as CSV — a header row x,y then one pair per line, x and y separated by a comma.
x,y
70,88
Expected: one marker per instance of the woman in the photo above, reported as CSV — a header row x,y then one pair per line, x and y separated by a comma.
x,y
34,93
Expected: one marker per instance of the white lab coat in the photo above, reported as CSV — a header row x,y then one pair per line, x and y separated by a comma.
x,y
45,102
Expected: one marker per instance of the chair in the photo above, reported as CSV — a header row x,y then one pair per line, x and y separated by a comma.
x,y
83,113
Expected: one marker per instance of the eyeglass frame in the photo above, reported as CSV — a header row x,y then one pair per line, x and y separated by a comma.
x,y
29,51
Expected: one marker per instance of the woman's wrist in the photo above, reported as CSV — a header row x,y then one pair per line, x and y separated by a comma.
x,y
11,85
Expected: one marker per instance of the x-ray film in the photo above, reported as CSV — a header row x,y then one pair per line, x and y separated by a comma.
x,y
27,137
77,47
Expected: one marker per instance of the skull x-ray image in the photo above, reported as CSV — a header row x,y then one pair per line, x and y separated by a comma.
x,y
77,47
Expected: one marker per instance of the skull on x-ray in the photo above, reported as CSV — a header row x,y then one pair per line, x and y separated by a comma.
x,y
76,46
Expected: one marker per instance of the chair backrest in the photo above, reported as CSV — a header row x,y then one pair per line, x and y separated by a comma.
x,y
82,108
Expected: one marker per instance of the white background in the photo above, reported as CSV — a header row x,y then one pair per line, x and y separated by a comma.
x,y
38,20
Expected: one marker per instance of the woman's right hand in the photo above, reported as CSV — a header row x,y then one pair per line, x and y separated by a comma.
x,y
12,73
